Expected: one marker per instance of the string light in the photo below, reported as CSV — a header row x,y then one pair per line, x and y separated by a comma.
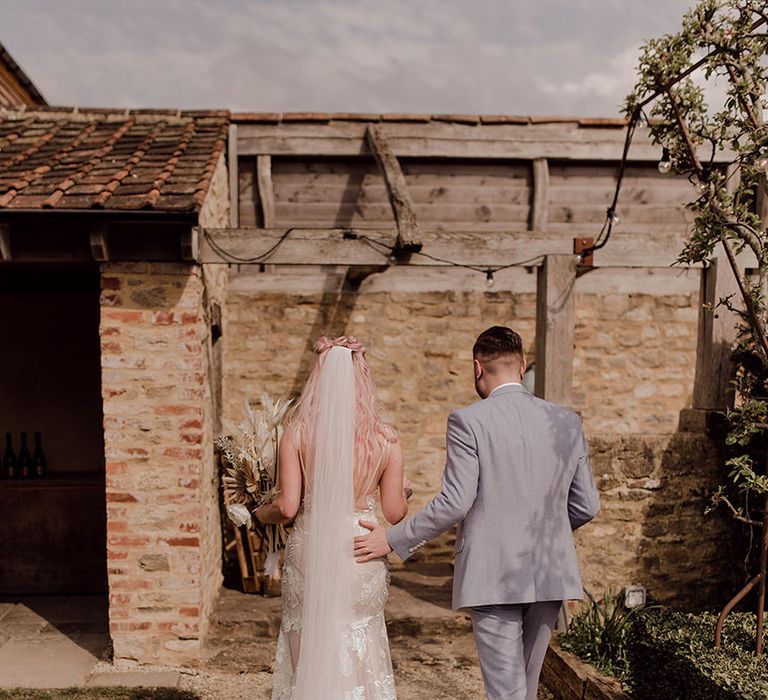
x,y
761,163
665,164
489,281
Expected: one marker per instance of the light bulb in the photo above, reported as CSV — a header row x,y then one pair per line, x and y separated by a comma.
x,y
613,217
761,164
642,120
665,164
702,186
489,281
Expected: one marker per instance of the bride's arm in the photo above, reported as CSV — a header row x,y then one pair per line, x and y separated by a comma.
x,y
394,504
286,504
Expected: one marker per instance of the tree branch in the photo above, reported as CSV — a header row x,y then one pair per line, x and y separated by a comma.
x,y
757,328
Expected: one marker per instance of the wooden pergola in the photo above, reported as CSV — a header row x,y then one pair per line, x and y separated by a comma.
x,y
257,139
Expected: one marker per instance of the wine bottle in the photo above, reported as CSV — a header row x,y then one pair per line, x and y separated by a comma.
x,y
39,462
25,459
10,465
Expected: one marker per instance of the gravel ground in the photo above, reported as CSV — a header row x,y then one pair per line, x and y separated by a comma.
x,y
425,669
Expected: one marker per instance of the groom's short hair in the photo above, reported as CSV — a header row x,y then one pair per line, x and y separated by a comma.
x,y
498,341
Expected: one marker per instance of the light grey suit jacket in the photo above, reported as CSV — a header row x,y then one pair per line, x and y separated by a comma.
x,y
518,481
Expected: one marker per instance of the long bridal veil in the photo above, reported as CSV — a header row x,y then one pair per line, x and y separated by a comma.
x,y
329,498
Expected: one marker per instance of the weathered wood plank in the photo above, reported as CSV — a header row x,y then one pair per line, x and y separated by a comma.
x,y
555,328
316,191
248,195
397,188
638,248
448,148
190,244
601,192
540,201
234,177
266,190
415,169
5,241
716,337
635,214
318,215
99,245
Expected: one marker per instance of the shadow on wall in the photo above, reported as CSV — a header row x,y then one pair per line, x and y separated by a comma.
x,y
335,311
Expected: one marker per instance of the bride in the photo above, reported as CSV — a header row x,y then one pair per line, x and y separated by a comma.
x,y
335,456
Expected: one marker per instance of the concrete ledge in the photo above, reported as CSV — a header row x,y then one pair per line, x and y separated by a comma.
x,y
569,678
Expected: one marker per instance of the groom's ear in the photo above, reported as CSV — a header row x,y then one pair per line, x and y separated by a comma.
x,y
478,368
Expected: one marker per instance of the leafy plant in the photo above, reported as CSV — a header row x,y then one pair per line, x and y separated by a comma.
x,y
723,42
671,656
598,634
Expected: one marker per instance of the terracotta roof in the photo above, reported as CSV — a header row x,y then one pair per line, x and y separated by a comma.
x,y
15,85
65,158
289,117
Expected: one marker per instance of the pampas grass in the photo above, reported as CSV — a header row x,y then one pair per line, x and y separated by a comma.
x,y
250,451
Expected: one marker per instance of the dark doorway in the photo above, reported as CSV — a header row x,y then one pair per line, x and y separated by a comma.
x,y
53,539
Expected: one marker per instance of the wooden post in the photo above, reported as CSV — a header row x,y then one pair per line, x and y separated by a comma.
x,y
234,177
99,245
554,328
190,244
5,242
397,189
266,190
717,334
537,221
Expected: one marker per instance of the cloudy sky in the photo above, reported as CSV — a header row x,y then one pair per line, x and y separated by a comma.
x,y
557,57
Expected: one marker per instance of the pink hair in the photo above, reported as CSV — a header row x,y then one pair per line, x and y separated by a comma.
x,y
369,428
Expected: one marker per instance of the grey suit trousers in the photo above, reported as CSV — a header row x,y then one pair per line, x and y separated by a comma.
x,y
511,643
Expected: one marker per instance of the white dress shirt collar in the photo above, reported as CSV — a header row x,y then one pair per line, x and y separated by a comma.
x,y
503,385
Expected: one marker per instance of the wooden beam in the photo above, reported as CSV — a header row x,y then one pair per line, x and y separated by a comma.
x,y
540,198
5,242
627,249
266,190
99,244
554,328
397,188
716,337
190,244
234,177
445,140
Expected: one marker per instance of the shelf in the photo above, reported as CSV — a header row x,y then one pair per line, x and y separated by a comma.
x,y
57,480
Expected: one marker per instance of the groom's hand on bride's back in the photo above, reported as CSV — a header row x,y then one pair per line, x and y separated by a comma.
x,y
372,546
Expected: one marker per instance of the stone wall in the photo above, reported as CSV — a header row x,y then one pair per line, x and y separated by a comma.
x,y
634,356
635,346
163,537
652,528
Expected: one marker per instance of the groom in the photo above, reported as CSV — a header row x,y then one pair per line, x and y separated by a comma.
x,y
517,481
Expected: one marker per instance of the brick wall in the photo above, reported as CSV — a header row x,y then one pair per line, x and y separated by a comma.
x,y
214,214
163,540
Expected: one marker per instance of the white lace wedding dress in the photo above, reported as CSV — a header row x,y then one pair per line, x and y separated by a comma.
x,y
366,664
333,640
